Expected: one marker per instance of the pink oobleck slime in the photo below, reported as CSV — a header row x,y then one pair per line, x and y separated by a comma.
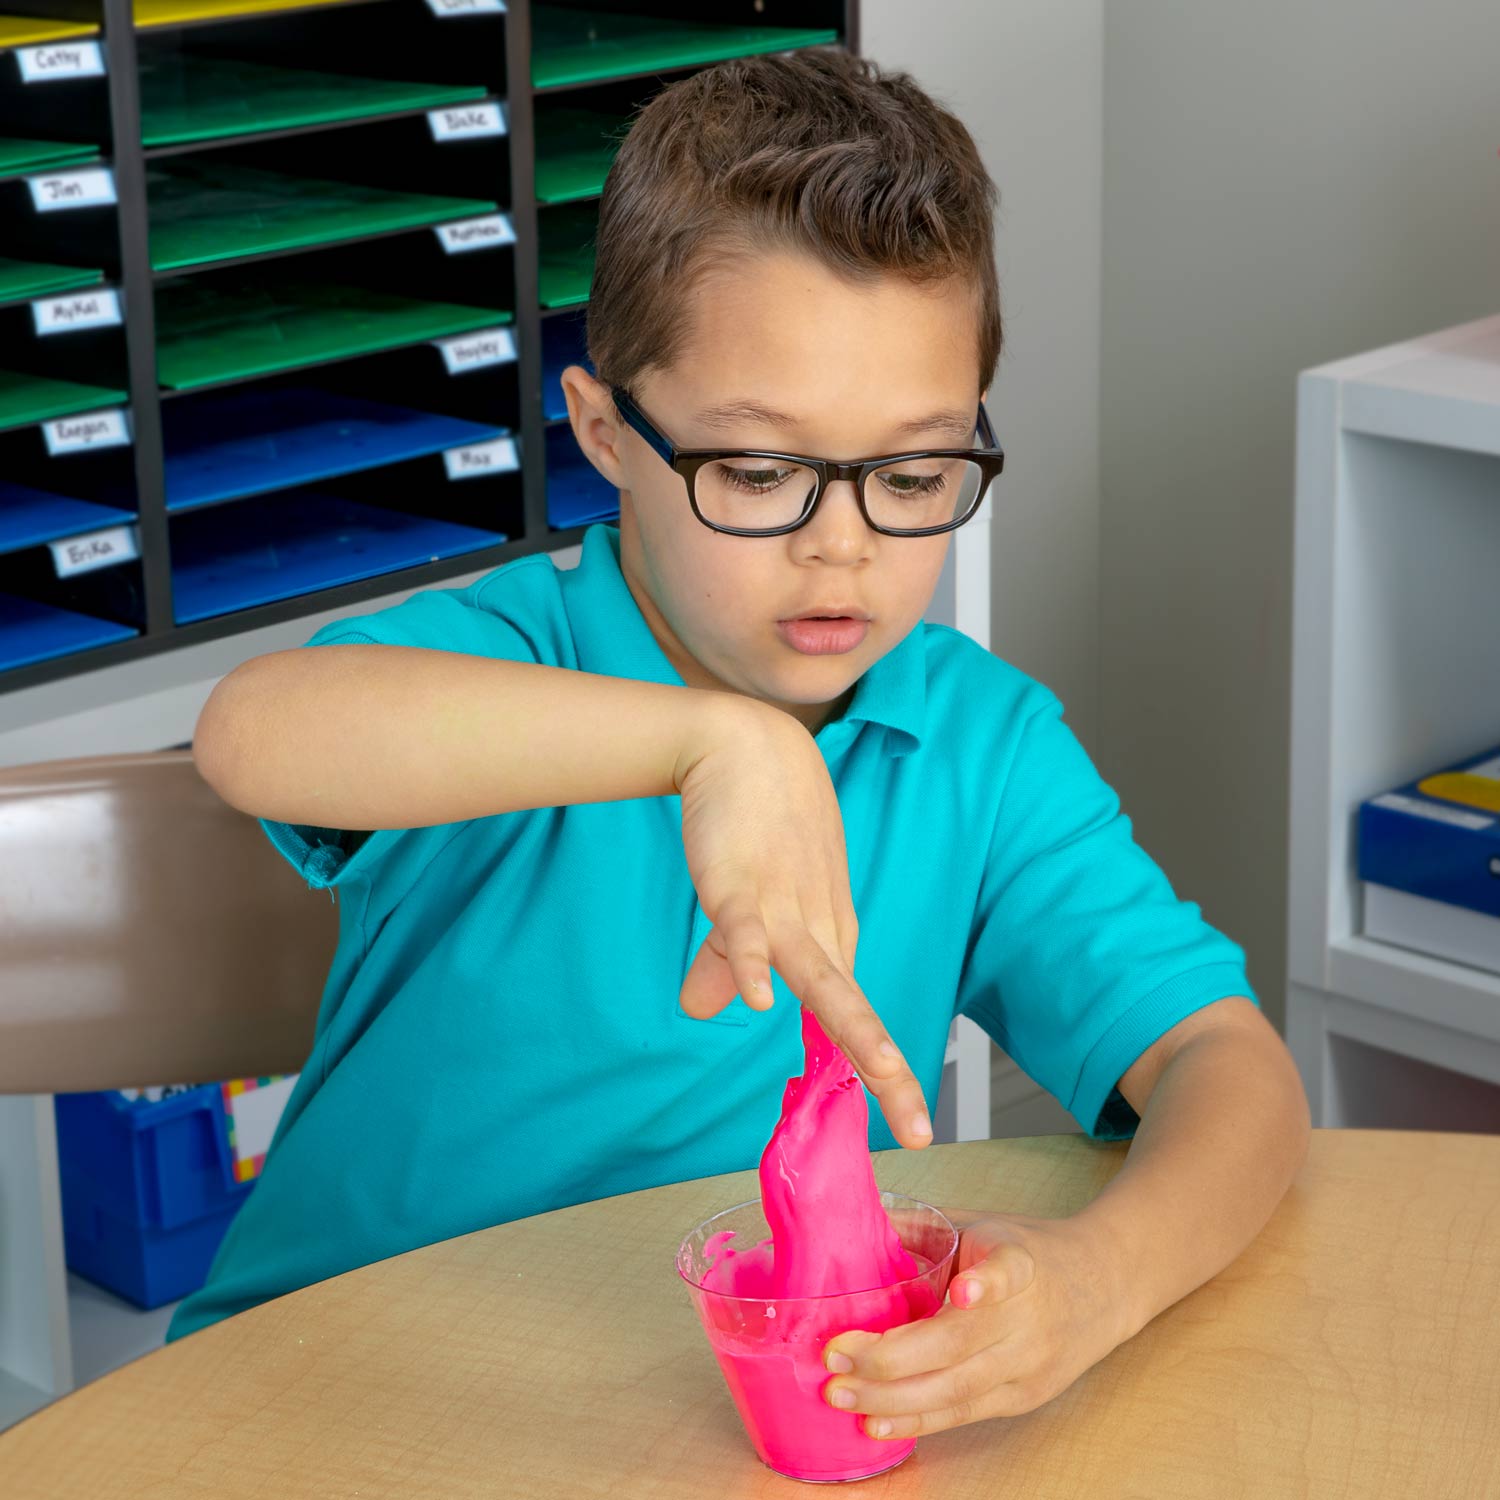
x,y
832,1241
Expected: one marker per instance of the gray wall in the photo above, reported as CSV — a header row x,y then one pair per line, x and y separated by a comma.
x,y
1284,183
1197,201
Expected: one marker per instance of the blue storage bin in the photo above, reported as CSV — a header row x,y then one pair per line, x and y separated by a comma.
x,y
148,1189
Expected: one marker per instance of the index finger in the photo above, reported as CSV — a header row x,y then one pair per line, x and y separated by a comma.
x,y
851,1023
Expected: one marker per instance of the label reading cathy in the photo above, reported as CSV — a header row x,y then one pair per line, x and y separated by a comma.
x,y
61,60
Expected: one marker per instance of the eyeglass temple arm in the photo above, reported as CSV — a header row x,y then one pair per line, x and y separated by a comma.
x,y
637,419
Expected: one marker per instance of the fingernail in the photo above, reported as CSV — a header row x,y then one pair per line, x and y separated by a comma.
x,y
887,1049
843,1397
880,1427
840,1364
921,1125
972,1288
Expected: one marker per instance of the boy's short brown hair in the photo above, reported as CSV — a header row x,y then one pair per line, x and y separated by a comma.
x,y
817,151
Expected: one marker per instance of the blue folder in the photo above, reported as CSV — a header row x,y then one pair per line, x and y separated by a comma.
x,y
577,494
30,517
248,442
32,632
563,344
279,546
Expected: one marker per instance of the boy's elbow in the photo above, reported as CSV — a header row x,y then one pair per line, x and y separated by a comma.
x,y
222,749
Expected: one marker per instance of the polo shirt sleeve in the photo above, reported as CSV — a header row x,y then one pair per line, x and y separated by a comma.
x,y
439,619
1080,953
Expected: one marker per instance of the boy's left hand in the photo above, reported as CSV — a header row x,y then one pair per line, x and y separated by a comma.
x,y
1051,1303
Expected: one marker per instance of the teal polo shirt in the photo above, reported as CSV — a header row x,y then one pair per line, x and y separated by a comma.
x,y
500,1033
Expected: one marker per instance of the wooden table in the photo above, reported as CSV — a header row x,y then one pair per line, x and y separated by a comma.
x,y
1353,1350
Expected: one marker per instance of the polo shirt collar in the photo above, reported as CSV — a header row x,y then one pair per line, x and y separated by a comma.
x,y
612,638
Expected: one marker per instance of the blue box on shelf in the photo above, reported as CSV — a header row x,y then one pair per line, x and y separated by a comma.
x,y
148,1189
1429,854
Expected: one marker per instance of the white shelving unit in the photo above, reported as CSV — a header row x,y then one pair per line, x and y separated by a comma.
x,y
57,1330
1396,671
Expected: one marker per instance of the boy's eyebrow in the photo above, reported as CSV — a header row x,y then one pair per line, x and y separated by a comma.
x,y
728,413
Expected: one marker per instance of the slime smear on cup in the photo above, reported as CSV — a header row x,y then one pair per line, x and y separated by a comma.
x,y
831,1239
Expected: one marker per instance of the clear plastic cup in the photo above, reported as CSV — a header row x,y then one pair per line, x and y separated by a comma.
x,y
770,1349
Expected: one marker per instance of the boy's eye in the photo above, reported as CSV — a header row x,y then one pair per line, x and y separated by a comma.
x,y
912,484
753,481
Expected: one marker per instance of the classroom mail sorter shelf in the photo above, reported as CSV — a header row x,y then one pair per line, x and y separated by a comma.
x,y
580,46
187,98
208,334
233,557
38,398
564,343
206,211
247,442
17,155
22,279
29,517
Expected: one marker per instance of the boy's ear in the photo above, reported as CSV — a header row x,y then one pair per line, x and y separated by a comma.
x,y
592,414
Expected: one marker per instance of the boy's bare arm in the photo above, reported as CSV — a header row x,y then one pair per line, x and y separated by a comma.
x,y
367,736
370,736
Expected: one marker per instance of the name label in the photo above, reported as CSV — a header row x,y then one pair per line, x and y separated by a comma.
x,y
467,121
99,549
61,60
473,351
87,189
466,7
79,310
496,457
93,429
475,234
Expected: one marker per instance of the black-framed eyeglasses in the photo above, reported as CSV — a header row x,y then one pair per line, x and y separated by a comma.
x,y
753,492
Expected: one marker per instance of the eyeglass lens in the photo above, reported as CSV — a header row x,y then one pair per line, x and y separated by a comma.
x,y
911,495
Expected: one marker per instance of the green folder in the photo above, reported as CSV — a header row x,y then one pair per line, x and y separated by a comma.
x,y
24,156
584,46
208,210
206,334
574,148
35,398
185,98
565,269
29,278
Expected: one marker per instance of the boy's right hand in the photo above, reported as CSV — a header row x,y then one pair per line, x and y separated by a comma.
x,y
764,840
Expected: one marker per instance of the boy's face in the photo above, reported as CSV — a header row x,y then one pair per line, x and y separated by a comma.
x,y
851,367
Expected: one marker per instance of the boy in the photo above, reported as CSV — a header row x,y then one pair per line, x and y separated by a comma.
x,y
554,982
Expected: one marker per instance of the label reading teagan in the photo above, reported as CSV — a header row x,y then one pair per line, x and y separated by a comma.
x,y
475,234
61,60
90,188
467,121
91,429
466,7
474,351
99,309
497,457
99,549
